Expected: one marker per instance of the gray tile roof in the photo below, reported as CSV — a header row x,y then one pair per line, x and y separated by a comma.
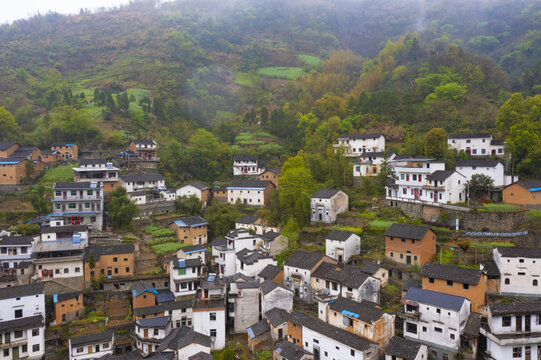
x,y
497,142
411,282
452,273
153,176
154,322
148,310
199,185
530,184
491,269
473,325
407,231
194,248
92,161
515,308
303,259
218,242
325,193
525,252
337,334
339,235
21,290
270,235
164,296
88,185
268,285
97,251
361,136
245,158
181,337
258,184
70,295
365,311
22,323
439,175
201,356
403,348
435,298
247,219
144,142
178,304
469,136
16,240
477,162
252,256
64,229
371,268
184,263
6,145
92,338
276,316
270,271
259,328
288,350
191,221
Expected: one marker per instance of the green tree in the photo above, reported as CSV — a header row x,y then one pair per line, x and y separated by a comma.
x,y
436,143
8,125
91,261
146,103
221,219
207,157
29,170
296,187
71,124
480,185
40,200
123,102
121,209
189,205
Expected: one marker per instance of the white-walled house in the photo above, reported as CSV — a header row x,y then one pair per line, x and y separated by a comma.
x,y
78,203
185,276
326,204
410,175
224,250
16,249
476,144
142,181
276,296
445,187
356,144
514,330
369,163
492,168
435,318
519,269
185,343
22,314
298,269
257,224
93,346
243,302
251,262
195,188
250,192
209,310
342,245
150,332
247,166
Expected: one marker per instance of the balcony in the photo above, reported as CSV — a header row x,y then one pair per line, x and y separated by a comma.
x,y
434,188
412,315
14,342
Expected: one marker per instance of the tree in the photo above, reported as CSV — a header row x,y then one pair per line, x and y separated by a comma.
x,y
480,185
40,200
145,102
71,124
436,143
221,219
207,157
121,209
8,125
189,205
29,170
91,261
296,187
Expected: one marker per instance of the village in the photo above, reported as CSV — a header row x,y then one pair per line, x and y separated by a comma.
x,y
423,272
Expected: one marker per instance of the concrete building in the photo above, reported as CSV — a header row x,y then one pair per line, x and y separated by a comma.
x,y
150,332
326,341
365,319
112,262
357,144
242,302
67,307
97,170
247,166
298,269
523,193
286,350
22,309
492,168
93,346
519,269
209,310
342,245
252,262
275,296
224,250
369,163
250,192
326,204
455,280
193,252
58,231
445,187
410,244
513,331
186,344
68,151
435,319
195,188
142,181
411,175
190,230
185,275
476,144
404,349
78,203
16,249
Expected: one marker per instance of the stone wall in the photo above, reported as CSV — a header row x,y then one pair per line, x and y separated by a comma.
x,y
153,208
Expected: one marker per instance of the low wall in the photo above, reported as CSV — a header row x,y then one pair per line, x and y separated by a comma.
x,y
159,207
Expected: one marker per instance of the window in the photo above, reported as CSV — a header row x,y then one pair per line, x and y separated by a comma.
x,y
404,191
77,269
35,347
24,348
352,352
431,280
517,352
437,329
57,206
127,269
506,321
156,332
212,332
452,336
6,352
466,286
18,313
115,259
534,282
438,311
507,281
411,328
18,334
72,205
212,316
182,271
87,205
66,271
424,329
392,255
58,193
90,192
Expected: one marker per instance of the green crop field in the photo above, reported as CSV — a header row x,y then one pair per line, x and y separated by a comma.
x,y
57,174
244,79
380,225
309,60
288,73
501,207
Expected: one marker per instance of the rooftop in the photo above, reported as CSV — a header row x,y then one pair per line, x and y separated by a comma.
x,y
268,285
198,185
469,136
477,162
365,311
97,251
16,240
439,175
515,308
87,185
403,348
245,158
251,184
339,235
6,145
452,273
21,290
435,298
407,231
276,316
93,162
270,271
288,350
64,229
325,193
186,263
144,142
250,257
257,329
303,259
531,185
142,286
247,219
361,136
181,337
516,251
154,322
92,338
22,323
150,176
191,221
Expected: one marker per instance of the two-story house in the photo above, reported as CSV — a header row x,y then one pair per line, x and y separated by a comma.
x,y
298,269
224,250
150,332
455,280
143,295
195,188
110,262
410,244
247,166
256,224
492,168
209,310
242,302
369,163
252,262
476,144
142,181
271,175
410,177
13,170
342,245
78,203
67,307
250,192
144,150
524,193
445,187
185,344
357,144
94,170
365,319
519,270
190,230
326,204
68,151
513,331
435,319
185,275
275,296
16,249
22,310
92,346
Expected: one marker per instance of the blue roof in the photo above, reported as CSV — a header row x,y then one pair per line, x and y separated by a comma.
x,y
10,162
350,314
250,333
435,298
135,293
191,221
534,189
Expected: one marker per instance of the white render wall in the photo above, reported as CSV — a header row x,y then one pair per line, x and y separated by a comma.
x,y
454,190
305,292
189,190
357,147
333,348
251,197
247,168
421,355
278,298
132,186
202,324
477,146
348,248
252,270
190,350
496,173
105,348
521,275
60,266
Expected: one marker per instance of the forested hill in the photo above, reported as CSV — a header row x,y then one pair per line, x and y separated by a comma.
x,y
298,68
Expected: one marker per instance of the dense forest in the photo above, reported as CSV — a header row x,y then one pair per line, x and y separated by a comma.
x,y
209,79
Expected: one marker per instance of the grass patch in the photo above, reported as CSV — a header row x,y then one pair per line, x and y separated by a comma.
x,y
446,257
244,79
380,225
309,60
390,288
58,174
167,248
158,231
489,245
250,142
263,134
501,207
162,240
280,72
246,136
356,230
